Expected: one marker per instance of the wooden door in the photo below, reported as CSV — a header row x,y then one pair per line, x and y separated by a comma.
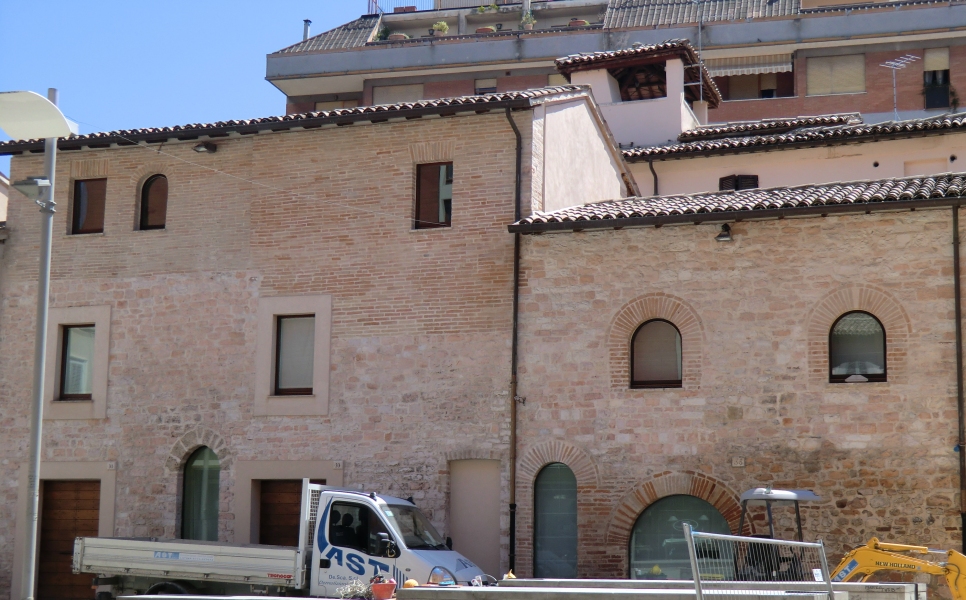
x,y
279,512
69,510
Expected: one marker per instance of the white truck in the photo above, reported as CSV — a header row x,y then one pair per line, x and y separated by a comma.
x,y
344,535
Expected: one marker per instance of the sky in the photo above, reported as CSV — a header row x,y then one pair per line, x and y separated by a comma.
x,y
125,64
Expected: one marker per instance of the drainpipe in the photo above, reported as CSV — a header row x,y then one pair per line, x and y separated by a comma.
x,y
513,346
650,163
959,374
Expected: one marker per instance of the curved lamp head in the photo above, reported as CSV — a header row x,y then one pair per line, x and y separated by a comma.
x,y
30,116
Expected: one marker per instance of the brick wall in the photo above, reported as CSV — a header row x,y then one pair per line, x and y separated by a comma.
x,y
754,315
420,323
876,99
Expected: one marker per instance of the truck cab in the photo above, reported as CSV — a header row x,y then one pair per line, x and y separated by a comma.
x,y
359,535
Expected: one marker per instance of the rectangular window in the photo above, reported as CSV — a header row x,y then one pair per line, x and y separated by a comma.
x,y
836,75
394,94
77,363
294,355
935,78
434,195
738,182
87,210
485,86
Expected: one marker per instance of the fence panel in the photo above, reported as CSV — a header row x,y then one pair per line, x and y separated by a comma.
x,y
725,566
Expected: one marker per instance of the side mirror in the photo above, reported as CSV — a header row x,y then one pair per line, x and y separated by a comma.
x,y
387,547
449,543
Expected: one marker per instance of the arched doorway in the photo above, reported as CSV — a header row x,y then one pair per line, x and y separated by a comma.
x,y
555,523
657,549
199,508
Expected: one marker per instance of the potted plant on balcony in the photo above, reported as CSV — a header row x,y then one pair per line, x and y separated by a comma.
x,y
396,36
487,29
439,28
490,8
578,23
528,21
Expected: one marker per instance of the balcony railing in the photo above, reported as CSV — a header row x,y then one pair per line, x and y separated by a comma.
x,y
390,6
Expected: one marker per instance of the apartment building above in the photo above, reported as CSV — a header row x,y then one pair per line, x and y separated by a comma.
x,y
769,59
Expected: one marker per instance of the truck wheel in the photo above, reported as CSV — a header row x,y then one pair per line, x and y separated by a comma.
x,y
168,588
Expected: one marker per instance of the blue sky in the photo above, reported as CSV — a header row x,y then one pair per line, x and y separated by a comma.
x,y
123,64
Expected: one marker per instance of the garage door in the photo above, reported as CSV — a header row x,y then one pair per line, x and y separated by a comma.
x,y
69,510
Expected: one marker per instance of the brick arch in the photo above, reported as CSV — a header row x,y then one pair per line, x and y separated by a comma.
x,y
669,483
532,461
871,299
194,439
655,306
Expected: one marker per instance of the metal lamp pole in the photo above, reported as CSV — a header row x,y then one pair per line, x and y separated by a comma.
x,y
28,115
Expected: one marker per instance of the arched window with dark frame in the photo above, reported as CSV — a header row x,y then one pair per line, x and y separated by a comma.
x,y
857,349
555,523
656,355
154,202
199,502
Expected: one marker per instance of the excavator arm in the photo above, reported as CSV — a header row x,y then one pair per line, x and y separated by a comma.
x,y
861,563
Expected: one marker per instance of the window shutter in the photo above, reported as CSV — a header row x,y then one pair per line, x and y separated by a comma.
x,y
747,182
728,183
819,76
848,74
936,59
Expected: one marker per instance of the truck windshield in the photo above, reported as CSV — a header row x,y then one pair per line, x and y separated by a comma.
x,y
414,528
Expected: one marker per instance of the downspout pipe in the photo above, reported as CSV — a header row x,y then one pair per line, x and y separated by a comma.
x,y
650,164
957,293
513,344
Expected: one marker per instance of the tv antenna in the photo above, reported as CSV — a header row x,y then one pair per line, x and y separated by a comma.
x,y
894,65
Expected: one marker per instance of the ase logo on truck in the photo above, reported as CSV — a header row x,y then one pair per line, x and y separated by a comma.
x,y
354,562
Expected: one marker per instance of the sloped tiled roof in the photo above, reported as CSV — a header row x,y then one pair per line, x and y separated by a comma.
x,y
378,113
623,14
350,35
750,204
805,136
680,48
710,132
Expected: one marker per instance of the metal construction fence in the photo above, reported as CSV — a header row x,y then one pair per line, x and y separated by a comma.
x,y
723,566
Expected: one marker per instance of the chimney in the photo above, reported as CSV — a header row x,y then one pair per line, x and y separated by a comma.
x,y
305,29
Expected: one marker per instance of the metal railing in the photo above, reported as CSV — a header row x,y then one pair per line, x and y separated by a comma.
x,y
390,6
723,566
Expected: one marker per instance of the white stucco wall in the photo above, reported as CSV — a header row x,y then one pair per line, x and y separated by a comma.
x,y
578,163
896,158
4,193
602,84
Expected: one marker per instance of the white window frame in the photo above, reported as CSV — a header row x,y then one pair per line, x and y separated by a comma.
x,y
269,309
96,407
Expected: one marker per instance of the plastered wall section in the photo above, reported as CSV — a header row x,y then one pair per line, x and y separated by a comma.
x,y
573,160
420,320
754,316
895,158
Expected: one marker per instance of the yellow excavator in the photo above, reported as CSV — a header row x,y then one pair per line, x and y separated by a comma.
x,y
876,556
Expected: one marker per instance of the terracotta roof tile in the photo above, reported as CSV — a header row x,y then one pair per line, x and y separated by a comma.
x,y
381,112
767,126
731,140
749,204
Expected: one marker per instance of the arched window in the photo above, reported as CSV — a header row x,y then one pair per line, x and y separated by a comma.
x,y
656,355
154,202
658,549
555,523
857,349
199,506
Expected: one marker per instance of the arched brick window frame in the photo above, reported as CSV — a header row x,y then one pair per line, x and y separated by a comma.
x,y
648,308
668,483
866,298
181,451
531,462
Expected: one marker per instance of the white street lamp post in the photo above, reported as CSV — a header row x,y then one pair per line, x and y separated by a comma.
x,y
26,115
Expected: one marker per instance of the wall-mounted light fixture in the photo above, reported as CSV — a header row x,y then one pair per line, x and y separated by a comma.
x,y
205,147
725,235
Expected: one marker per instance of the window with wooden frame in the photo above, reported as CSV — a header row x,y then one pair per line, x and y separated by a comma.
x,y
294,355
935,78
857,349
434,195
738,182
87,206
827,75
154,203
77,363
656,355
